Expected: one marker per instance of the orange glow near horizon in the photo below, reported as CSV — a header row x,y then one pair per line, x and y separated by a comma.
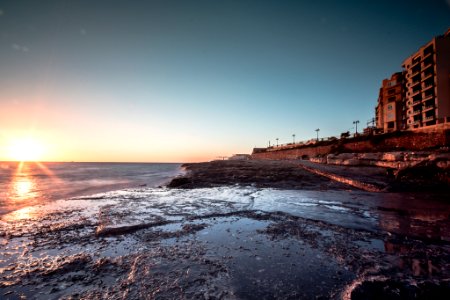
x,y
25,149
46,145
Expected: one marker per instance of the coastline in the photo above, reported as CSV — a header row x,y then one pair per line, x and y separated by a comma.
x,y
308,175
230,230
36,184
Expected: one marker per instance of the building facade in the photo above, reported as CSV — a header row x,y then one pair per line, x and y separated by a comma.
x,y
428,83
390,109
419,96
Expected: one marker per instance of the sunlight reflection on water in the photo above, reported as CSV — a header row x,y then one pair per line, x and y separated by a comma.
x,y
22,188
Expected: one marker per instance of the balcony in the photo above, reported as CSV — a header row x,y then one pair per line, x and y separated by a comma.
x,y
429,118
427,51
415,61
427,67
415,92
427,86
426,55
414,72
427,108
416,112
415,81
416,102
426,75
428,97
427,62
416,122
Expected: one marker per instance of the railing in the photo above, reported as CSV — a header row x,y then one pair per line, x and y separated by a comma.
x,y
427,63
427,86
427,75
414,72
415,82
413,93
415,62
427,97
302,143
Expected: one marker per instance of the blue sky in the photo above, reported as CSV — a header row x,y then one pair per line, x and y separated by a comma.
x,y
192,80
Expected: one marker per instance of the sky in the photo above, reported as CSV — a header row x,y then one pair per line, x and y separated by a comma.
x,y
180,81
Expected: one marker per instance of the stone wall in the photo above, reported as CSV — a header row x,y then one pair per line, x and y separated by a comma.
x,y
398,141
299,153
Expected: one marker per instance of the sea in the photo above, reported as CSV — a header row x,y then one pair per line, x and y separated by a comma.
x,y
31,183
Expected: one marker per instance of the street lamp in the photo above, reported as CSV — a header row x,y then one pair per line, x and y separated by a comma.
x,y
317,130
356,125
277,141
293,138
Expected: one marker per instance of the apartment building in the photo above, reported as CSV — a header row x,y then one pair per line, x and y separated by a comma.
x,y
427,75
390,109
419,96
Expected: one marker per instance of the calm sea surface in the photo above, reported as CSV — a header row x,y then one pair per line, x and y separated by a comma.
x,y
35,183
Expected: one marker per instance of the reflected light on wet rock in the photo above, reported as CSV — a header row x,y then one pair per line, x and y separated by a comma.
x,y
21,214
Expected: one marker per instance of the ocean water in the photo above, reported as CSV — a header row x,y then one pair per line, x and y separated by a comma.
x,y
24,184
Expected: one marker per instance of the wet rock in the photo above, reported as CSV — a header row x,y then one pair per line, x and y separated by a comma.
x,y
392,156
273,174
392,289
179,182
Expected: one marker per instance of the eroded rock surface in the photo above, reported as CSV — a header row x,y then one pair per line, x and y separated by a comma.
x,y
227,243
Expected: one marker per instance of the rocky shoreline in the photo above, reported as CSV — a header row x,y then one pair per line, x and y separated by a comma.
x,y
233,230
349,171
262,174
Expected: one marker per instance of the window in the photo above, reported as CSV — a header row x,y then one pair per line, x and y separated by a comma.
x,y
391,91
390,99
392,83
389,107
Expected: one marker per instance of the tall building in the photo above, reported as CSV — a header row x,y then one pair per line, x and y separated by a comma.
x,y
390,108
419,96
427,75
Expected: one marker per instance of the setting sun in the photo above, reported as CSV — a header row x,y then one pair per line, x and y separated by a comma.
x,y
26,149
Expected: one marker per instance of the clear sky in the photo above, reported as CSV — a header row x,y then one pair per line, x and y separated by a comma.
x,y
183,81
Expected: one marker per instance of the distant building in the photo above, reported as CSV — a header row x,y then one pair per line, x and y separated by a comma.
x,y
419,96
390,108
240,157
428,83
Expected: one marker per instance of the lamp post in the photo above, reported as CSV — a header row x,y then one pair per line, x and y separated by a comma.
x,y
277,141
293,138
356,126
317,130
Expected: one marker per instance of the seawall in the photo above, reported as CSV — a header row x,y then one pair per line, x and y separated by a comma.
x,y
396,141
